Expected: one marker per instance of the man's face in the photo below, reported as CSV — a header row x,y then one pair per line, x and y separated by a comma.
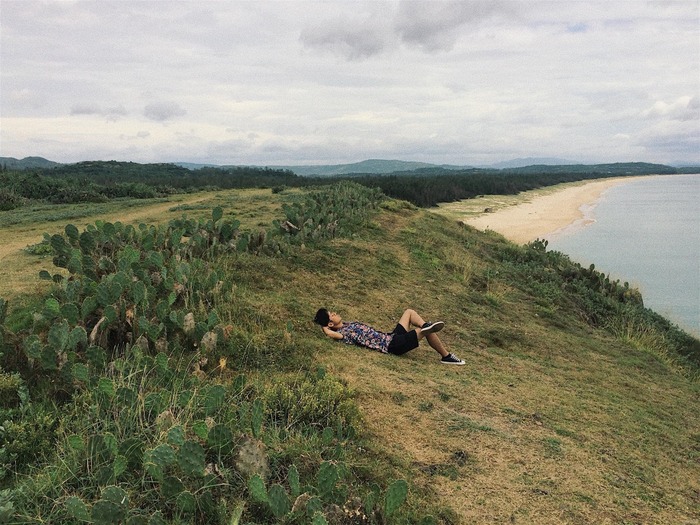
x,y
334,319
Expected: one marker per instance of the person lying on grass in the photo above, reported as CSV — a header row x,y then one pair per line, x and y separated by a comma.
x,y
398,342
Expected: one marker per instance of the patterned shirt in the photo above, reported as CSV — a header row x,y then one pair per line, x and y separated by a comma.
x,y
360,334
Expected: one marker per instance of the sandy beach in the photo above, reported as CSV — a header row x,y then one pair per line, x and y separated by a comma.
x,y
540,213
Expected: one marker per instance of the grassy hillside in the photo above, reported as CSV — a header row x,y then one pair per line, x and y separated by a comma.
x,y
575,405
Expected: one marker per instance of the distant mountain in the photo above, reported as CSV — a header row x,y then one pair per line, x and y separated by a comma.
x,y
194,166
27,163
530,161
373,166
383,166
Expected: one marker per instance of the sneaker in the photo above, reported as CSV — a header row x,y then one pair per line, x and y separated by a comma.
x,y
431,328
451,359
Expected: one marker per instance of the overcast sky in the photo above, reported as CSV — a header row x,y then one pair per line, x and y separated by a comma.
x,y
296,82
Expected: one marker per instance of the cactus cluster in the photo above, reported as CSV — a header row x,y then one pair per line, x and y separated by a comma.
x,y
331,212
130,286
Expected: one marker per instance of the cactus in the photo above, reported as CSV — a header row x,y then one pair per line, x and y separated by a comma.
x,y
209,341
326,479
188,323
186,502
220,438
191,458
176,435
257,490
371,498
278,500
251,459
58,336
70,313
319,519
171,486
157,460
116,495
126,396
105,512
32,347
216,214
77,338
214,398
119,466
200,429
293,480
105,387
77,508
395,496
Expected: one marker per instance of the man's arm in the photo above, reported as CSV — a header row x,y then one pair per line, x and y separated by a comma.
x,y
331,333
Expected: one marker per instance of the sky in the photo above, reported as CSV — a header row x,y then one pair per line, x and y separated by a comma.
x,y
469,82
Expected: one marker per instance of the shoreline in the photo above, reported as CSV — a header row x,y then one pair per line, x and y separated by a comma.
x,y
542,213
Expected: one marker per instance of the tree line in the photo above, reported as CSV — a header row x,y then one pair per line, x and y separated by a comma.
x,y
99,181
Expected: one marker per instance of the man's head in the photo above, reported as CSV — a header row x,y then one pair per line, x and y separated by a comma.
x,y
329,319
322,317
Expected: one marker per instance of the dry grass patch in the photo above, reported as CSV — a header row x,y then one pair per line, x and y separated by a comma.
x,y
543,425
253,207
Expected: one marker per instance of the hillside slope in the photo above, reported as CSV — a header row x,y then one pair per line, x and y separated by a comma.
x,y
552,420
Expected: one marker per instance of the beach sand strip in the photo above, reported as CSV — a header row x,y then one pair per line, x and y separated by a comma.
x,y
538,214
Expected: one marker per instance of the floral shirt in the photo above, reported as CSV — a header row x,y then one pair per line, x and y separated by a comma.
x,y
360,334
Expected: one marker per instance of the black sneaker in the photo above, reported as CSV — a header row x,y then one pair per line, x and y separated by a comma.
x,y
451,359
431,328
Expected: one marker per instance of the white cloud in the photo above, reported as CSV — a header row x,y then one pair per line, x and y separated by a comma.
x,y
162,111
350,39
684,109
111,112
462,82
436,26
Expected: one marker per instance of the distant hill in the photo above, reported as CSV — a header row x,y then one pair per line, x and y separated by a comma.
x,y
370,166
530,161
27,163
383,166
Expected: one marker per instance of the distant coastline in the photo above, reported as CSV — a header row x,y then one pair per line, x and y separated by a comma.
x,y
540,215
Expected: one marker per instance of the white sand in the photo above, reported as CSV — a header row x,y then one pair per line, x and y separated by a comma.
x,y
543,215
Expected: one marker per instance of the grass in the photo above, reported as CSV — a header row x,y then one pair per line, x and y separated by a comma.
x,y
25,227
550,421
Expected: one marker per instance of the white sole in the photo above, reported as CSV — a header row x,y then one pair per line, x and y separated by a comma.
x,y
433,328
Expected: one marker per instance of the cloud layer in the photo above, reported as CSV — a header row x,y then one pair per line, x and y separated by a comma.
x,y
292,82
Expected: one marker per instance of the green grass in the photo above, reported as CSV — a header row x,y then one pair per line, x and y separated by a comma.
x,y
551,420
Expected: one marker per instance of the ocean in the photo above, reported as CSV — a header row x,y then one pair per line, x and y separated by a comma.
x,y
645,231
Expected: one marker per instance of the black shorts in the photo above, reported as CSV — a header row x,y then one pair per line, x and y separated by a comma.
x,y
402,341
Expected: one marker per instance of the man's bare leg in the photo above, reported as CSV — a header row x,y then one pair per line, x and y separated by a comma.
x,y
436,344
412,318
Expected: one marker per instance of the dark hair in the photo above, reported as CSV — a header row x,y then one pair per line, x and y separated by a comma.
x,y
322,317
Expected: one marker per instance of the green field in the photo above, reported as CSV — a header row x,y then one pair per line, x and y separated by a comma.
x,y
575,406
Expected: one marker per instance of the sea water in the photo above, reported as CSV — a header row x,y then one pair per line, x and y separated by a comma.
x,y
645,231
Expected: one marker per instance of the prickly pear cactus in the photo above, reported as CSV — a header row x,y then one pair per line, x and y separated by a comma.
x,y
251,458
395,496
278,500
191,458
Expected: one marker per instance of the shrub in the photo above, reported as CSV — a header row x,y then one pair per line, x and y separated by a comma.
x,y
310,402
9,200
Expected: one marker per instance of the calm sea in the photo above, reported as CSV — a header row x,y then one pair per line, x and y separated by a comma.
x,y
646,232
